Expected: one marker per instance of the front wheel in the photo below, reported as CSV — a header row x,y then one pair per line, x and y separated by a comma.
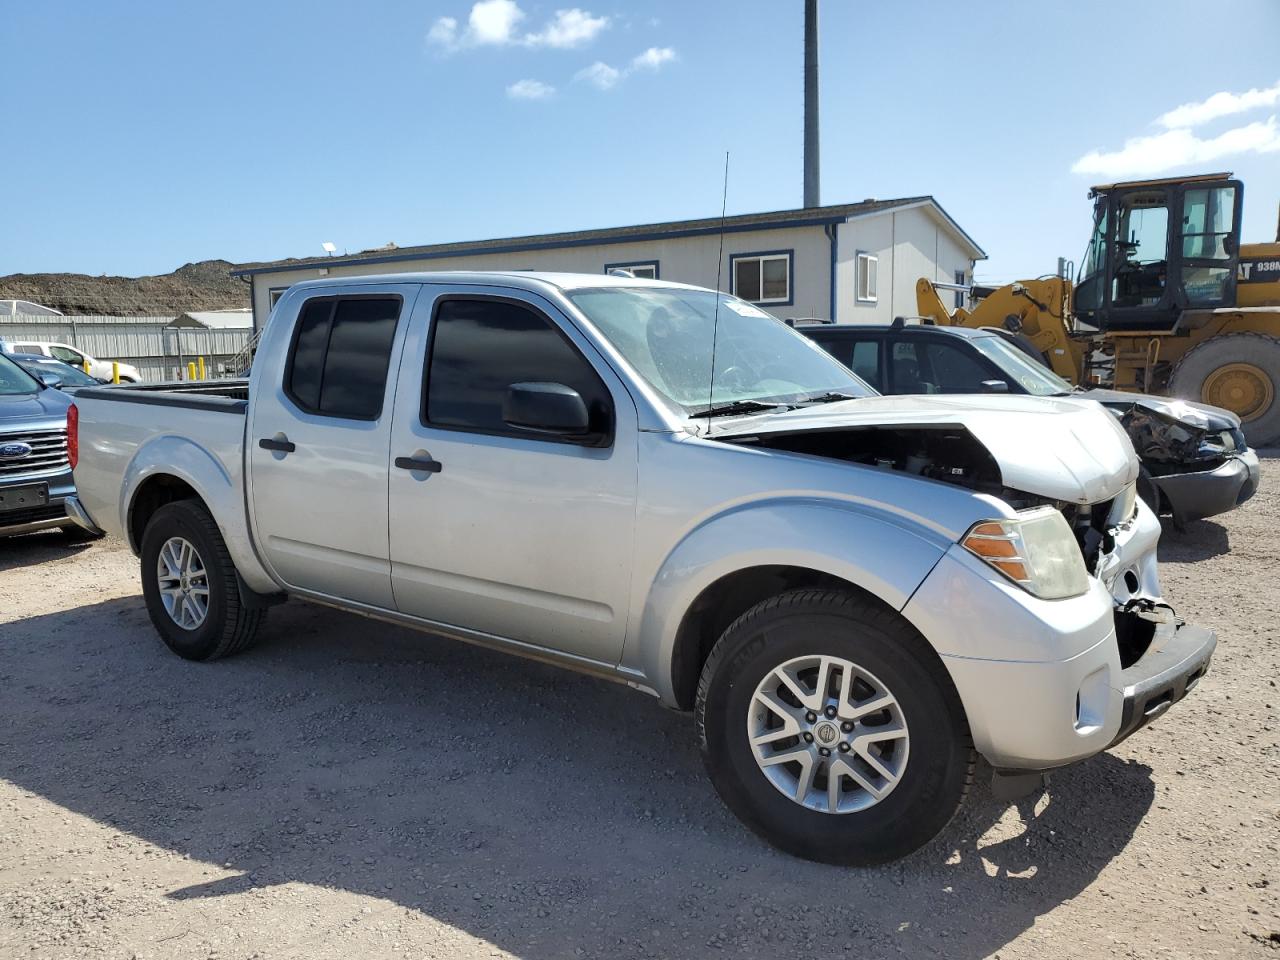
x,y
190,586
829,726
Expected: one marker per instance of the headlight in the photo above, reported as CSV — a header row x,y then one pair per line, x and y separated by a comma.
x,y
1036,550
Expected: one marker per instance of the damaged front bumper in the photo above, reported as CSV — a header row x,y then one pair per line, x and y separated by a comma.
x,y
1171,666
1046,683
1207,493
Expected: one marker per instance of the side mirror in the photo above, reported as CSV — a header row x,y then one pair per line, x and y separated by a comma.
x,y
995,386
50,380
550,408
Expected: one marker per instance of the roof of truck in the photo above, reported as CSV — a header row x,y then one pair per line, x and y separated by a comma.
x,y
527,279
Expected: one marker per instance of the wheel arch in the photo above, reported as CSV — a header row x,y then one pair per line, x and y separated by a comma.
x,y
728,565
170,468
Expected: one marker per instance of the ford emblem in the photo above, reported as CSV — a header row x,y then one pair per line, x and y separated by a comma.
x,y
14,451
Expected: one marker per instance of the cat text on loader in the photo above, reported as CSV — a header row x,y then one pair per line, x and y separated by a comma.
x,y
1167,301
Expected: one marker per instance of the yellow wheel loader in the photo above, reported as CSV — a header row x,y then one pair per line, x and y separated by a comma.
x,y
1167,301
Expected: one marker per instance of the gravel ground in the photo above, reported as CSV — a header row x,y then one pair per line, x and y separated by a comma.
x,y
353,789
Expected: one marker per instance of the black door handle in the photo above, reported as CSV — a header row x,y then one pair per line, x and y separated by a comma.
x,y
414,463
284,446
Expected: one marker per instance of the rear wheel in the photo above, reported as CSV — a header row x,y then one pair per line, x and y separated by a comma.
x,y
190,586
830,727
1238,371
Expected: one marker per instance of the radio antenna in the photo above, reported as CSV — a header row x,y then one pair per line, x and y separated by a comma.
x,y
715,320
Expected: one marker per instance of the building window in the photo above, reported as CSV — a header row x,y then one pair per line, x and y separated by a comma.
x,y
274,294
762,277
960,293
867,267
641,270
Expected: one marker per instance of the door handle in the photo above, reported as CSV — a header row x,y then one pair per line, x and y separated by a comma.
x,y
271,443
419,463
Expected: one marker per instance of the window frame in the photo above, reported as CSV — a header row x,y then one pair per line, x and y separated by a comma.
x,y
602,440
789,256
273,296
657,273
333,299
861,259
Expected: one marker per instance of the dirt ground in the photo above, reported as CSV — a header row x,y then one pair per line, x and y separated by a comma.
x,y
349,789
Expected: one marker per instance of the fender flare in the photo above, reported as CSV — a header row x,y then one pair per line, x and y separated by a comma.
x,y
886,555
223,494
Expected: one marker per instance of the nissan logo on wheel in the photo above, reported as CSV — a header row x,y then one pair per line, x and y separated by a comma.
x,y
14,451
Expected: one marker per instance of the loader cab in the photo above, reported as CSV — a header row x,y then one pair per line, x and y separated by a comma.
x,y
1160,248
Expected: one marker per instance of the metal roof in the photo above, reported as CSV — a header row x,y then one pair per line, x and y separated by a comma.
x,y
215,319
777,219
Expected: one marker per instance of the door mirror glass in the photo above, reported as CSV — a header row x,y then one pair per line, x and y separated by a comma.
x,y
546,408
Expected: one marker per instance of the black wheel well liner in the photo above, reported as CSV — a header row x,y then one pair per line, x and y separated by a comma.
x,y
154,492
726,599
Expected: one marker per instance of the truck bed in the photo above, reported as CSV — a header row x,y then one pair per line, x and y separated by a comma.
x,y
230,396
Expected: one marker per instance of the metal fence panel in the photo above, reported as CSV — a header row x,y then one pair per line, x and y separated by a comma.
x,y
159,351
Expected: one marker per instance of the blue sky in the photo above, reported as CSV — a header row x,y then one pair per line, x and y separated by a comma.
x,y
142,135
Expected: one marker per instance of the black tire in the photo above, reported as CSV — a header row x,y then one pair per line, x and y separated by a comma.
x,y
1259,351
939,762
228,627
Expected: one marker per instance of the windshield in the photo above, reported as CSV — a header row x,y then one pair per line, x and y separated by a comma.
x,y
69,375
14,381
666,336
1036,379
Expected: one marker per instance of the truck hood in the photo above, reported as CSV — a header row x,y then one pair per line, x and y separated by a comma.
x,y
28,409
1058,448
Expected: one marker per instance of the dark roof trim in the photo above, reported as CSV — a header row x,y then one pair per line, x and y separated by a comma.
x,y
780,220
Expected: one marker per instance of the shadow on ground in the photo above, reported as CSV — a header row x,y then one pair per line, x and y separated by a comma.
x,y
35,548
1198,540
536,809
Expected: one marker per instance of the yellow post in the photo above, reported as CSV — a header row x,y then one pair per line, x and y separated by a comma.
x,y
86,368
191,371
115,371
200,365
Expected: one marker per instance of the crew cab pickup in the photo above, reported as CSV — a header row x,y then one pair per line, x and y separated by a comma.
x,y
856,595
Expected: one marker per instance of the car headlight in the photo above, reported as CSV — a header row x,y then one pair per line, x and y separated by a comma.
x,y
1036,550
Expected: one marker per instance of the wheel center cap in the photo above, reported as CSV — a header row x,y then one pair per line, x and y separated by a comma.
x,y
826,733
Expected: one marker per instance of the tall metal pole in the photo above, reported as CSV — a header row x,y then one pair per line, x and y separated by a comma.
x,y
812,192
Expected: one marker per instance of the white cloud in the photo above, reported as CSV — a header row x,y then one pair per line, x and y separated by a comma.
x,y
605,77
600,75
530,90
444,32
569,28
653,58
496,23
1219,105
1177,148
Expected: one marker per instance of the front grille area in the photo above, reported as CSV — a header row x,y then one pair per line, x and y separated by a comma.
x,y
16,518
48,453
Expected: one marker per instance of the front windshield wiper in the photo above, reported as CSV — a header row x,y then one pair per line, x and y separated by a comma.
x,y
833,396
739,406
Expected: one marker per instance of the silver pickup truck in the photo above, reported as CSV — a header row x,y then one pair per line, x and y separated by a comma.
x,y
856,595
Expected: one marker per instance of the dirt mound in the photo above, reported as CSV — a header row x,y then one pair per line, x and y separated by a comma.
x,y
207,285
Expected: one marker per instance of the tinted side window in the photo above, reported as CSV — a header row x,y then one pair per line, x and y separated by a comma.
x,y
954,370
866,362
341,351
480,347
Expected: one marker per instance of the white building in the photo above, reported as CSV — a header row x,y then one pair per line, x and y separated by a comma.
x,y
855,263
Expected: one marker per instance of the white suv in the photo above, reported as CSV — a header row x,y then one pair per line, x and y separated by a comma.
x,y
74,356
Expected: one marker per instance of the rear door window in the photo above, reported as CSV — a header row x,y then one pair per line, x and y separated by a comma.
x,y
340,355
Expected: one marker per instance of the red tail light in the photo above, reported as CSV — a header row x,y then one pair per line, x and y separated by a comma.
x,y
73,435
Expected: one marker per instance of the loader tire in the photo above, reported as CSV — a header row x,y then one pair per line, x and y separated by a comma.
x,y
1238,371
